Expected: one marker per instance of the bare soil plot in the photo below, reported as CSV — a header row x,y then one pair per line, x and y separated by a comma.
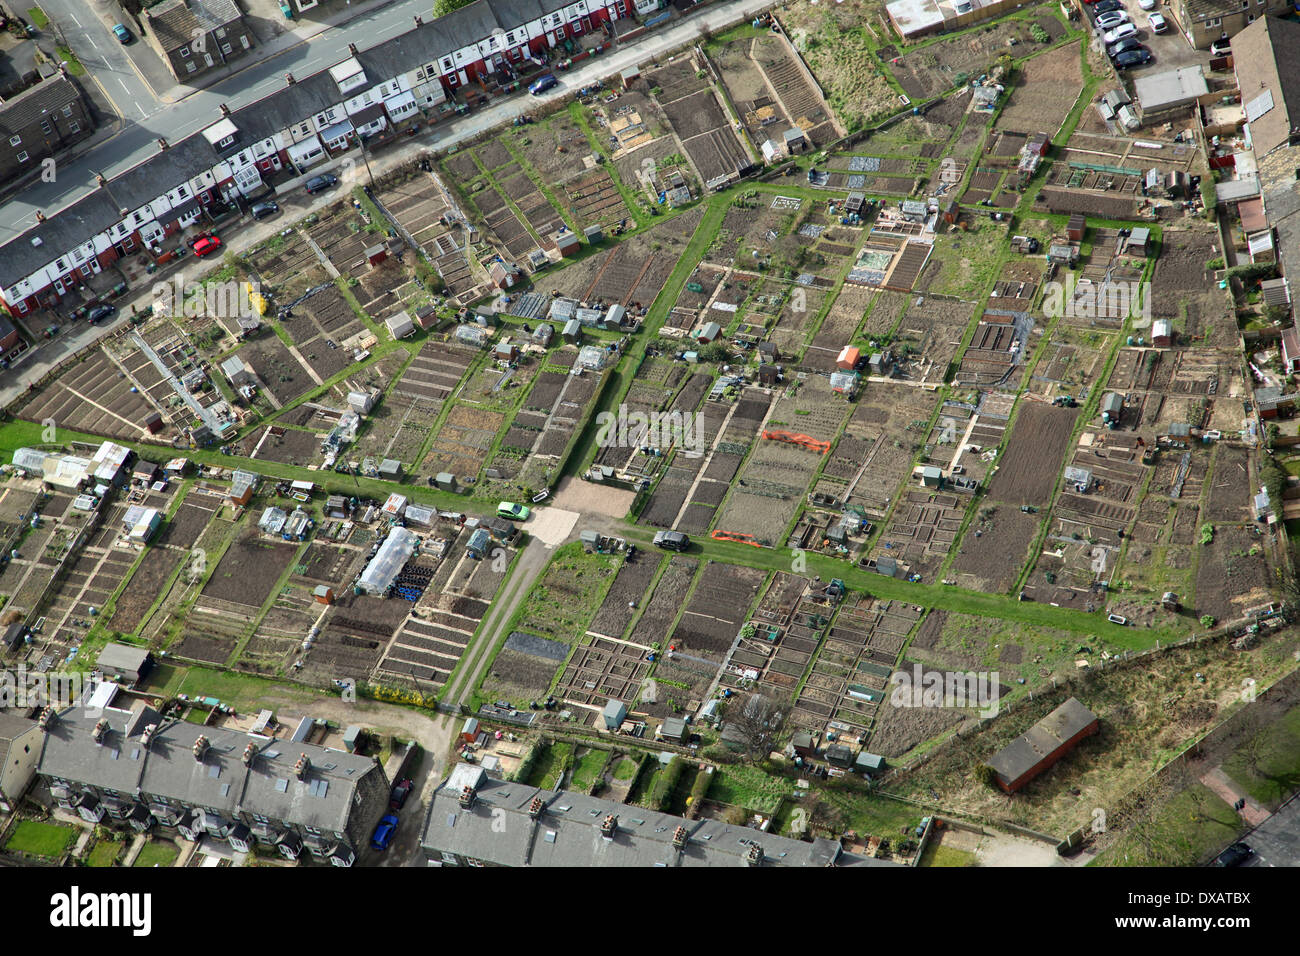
x,y
1035,455
1232,573
604,670
994,548
719,605
90,395
1044,92
666,602
629,591
249,570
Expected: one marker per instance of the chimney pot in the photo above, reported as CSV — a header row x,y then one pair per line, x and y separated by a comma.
x,y
419,21
225,110
288,78
162,142
40,217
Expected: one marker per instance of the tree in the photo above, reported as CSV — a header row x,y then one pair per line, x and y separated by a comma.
x,y
755,723
443,7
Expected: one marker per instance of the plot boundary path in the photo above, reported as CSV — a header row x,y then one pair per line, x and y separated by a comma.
x,y
1223,786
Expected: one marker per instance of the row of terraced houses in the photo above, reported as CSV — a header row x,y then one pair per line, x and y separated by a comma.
x,y
307,122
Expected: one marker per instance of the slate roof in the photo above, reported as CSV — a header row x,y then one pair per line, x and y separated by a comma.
x,y
498,829
175,21
220,780
1266,56
1041,741
31,104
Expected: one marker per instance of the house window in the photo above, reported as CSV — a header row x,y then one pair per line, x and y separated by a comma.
x,y
74,127
46,128
228,141
446,63
22,307
67,111
1214,22
225,48
189,66
15,140
243,41
22,157
85,271
185,51
221,33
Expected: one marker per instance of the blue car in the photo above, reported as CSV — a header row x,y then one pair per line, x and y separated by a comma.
x,y
384,832
122,33
542,84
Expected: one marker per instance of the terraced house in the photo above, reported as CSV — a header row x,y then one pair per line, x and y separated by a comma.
x,y
194,36
477,820
306,122
1204,21
39,122
134,768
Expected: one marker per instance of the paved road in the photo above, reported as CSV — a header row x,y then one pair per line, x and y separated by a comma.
x,y
79,24
139,140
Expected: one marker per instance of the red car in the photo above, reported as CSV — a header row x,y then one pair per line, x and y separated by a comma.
x,y
397,799
205,244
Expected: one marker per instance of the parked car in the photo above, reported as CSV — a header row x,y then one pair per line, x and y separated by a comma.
x,y
384,832
1148,4
1234,855
543,83
100,312
1131,58
122,33
1157,22
205,244
1119,619
264,210
1106,6
1221,47
1109,21
1119,33
321,183
1123,46
513,512
672,541
397,798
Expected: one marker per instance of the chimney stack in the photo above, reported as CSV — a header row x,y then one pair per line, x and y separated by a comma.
x,y
467,798
301,767
609,826
162,142
679,838
47,715
200,747
225,110
352,48
249,751
288,78
40,216
147,735
419,22
754,856
535,808
101,728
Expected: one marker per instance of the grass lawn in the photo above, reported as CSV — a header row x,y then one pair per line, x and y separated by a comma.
x,y
625,769
105,853
40,839
242,690
1184,831
550,766
748,787
39,20
70,58
156,853
936,854
587,769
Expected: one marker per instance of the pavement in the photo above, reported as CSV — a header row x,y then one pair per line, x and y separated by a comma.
x,y
443,136
303,55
